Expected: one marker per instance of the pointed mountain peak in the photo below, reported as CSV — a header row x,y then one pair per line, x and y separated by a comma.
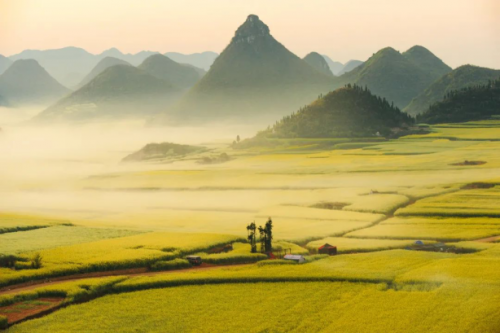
x,y
252,28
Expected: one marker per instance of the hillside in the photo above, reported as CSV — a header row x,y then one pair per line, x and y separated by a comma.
x,y
67,65
459,78
335,66
4,63
349,66
351,111
200,60
133,59
471,103
254,76
120,91
101,67
426,61
317,61
180,75
394,76
153,151
25,82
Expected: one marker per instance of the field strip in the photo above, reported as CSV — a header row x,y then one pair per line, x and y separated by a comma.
x,y
13,289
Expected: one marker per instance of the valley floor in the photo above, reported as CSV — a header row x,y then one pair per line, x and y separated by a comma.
x,y
373,200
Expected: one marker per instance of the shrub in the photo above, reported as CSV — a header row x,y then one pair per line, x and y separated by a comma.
x,y
3,322
276,262
36,261
171,264
23,265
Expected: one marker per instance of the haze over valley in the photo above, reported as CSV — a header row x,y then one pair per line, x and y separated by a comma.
x,y
249,167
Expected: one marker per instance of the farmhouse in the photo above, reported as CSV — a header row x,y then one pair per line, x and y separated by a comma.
x,y
194,260
297,258
327,249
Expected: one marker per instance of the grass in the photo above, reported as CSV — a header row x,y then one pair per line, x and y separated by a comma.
x,y
356,245
464,203
15,222
279,307
138,250
439,232
53,237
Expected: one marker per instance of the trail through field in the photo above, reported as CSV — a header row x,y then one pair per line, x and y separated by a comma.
x,y
17,288
489,239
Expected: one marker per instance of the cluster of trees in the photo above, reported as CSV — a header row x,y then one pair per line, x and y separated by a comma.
x,y
266,236
471,103
352,111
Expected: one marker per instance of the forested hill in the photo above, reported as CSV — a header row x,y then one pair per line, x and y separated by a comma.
x,y
461,77
351,111
471,103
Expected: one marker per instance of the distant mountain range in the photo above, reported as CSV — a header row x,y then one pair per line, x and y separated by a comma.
x,y
254,76
104,64
70,65
4,63
337,68
25,82
397,77
349,66
477,102
201,60
318,62
180,75
119,92
461,77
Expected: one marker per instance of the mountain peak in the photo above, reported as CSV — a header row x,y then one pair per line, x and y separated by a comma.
x,y
252,28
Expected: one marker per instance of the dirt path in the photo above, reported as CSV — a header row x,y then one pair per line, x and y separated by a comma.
x,y
17,288
488,239
29,309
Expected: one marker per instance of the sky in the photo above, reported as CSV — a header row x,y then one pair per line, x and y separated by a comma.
x,y
457,31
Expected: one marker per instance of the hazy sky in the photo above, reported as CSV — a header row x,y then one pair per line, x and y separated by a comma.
x,y
458,31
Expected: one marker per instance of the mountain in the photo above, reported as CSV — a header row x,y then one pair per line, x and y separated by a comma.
x,y
67,65
3,101
121,91
335,66
349,66
200,60
351,111
426,61
393,75
133,59
104,64
467,104
4,63
317,61
25,82
255,76
459,78
164,68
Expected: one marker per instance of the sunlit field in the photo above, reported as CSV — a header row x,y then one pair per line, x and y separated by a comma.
x,y
97,214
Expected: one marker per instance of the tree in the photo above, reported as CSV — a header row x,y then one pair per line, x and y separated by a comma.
x,y
251,236
266,237
269,235
36,261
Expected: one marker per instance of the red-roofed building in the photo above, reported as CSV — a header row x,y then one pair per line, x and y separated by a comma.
x,y
327,249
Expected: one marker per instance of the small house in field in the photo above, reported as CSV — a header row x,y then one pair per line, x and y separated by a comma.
x,y
327,249
297,258
194,260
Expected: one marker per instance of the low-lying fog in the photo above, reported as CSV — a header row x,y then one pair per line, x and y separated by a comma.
x,y
39,162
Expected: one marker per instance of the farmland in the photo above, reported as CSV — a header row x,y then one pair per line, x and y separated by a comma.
x,y
372,200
